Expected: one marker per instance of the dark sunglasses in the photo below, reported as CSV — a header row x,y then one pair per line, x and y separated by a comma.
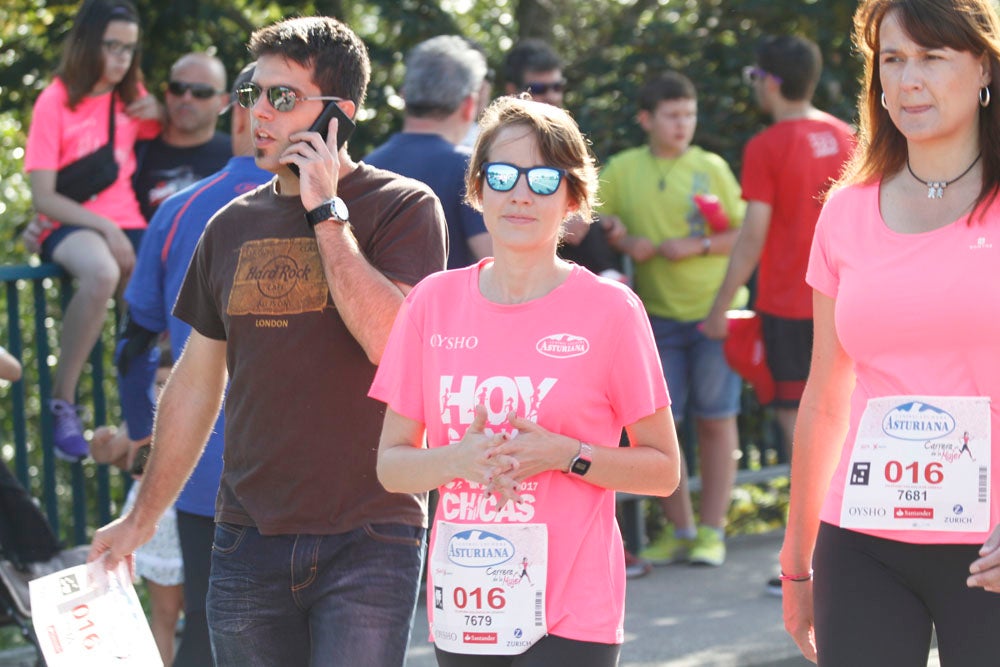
x,y
199,91
502,177
542,88
752,74
282,98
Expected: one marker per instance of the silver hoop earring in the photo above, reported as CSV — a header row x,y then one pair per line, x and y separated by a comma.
x,y
884,105
984,96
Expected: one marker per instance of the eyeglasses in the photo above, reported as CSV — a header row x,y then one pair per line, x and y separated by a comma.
x,y
115,48
199,91
502,177
282,98
543,88
752,74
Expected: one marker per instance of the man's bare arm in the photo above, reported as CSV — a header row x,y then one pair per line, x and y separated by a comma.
x,y
187,411
366,300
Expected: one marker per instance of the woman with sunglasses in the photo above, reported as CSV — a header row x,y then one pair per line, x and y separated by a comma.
x,y
93,240
521,371
894,497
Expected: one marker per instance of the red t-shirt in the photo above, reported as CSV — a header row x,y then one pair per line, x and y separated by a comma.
x,y
790,166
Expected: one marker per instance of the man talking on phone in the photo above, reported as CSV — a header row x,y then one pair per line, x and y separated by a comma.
x,y
292,292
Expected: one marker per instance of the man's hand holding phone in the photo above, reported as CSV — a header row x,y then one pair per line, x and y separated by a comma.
x,y
315,159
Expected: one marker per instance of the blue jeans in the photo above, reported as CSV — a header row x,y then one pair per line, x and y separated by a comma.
x,y
345,599
696,370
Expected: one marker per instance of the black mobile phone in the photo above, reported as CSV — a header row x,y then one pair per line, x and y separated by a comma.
x,y
345,127
141,458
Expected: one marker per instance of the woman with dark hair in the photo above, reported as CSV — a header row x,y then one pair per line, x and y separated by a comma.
x,y
522,371
901,528
96,101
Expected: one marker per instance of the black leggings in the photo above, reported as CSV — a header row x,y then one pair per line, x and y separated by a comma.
x,y
877,600
546,652
196,534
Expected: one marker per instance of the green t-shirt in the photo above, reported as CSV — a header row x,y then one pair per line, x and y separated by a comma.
x,y
653,197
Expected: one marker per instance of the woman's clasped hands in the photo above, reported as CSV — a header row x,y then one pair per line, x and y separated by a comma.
x,y
502,460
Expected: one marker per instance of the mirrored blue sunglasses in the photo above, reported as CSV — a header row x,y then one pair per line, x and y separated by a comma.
x,y
502,177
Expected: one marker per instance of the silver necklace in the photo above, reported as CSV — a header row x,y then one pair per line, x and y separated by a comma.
x,y
659,169
935,189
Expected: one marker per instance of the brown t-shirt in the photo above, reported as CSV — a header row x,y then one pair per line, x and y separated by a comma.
x,y
301,433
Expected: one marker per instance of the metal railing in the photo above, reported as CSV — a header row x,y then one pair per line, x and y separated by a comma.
x,y
78,497
75,497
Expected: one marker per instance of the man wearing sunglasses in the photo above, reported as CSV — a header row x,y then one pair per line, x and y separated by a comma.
x,y
291,293
787,170
190,147
534,67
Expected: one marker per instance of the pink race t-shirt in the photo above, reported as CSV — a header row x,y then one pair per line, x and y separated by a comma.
x,y
919,314
579,361
59,136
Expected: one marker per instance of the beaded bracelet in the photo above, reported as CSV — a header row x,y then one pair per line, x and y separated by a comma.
x,y
798,578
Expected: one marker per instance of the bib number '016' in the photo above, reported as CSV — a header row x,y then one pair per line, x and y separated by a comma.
x,y
488,583
920,463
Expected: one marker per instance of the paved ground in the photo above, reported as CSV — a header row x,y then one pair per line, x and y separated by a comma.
x,y
678,616
683,616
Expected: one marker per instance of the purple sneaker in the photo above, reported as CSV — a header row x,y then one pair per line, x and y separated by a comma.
x,y
67,431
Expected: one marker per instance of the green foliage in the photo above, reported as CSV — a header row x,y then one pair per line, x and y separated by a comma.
x,y
609,47
15,198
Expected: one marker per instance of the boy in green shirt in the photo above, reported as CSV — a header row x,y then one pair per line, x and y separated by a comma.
x,y
681,206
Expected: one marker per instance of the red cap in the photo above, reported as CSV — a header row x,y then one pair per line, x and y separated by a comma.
x,y
744,348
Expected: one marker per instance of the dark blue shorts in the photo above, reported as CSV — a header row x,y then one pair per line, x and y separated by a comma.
x,y
56,237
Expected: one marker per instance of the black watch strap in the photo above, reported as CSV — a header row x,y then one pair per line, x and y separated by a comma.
x,y
333,209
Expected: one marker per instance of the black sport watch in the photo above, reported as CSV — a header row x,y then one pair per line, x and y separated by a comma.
x,y
334,209
581,462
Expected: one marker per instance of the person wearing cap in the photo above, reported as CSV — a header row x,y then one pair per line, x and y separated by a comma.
x,y
163,259
444,76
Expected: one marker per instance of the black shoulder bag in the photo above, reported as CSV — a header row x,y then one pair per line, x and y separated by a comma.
x,y
92,174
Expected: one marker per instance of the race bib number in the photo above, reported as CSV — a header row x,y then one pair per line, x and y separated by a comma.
x,y
488,583
920,463
87,616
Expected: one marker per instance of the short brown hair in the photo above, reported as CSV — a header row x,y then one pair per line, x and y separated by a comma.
x,y
337,56
559,139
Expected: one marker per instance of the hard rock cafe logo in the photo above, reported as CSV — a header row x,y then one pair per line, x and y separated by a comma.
x,y
278,277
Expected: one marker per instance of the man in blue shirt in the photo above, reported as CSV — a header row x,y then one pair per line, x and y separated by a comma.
x,y
441,87
162,262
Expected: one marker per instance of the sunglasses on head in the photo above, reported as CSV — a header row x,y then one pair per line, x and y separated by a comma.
x,y
543,88
199,91
752,74
502,177
282,98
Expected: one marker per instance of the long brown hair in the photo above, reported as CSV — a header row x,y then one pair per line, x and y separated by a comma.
x,y
82,63
963,25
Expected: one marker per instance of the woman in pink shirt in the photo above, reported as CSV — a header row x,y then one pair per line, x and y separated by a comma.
x,y
521,372
94,240
896,457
